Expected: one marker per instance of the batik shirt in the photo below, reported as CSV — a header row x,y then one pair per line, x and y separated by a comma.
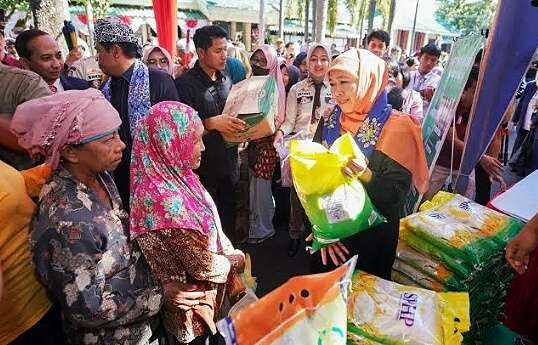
x,y
83,255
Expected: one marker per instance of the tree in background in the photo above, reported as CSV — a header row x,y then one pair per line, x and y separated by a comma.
x,y
100,8
365,11
466,16
361,11
371,14
10,6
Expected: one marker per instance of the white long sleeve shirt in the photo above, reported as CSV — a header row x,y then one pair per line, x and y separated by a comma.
x,y
299,107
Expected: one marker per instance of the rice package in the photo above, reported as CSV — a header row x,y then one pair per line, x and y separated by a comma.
x,y
457,265
389,313
400,278
420,278
255,101
495,225
429,266
305,310
336,205
450,235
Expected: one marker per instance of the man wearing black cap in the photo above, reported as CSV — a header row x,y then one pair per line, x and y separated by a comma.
x,y
132,88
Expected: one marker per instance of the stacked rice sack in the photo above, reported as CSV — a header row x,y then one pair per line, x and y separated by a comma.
x,y
455,244
383,312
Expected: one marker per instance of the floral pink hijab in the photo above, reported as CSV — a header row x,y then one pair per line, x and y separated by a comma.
x,y
274,69
165,192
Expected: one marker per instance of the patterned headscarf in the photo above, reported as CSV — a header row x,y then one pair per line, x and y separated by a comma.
x,y
139,99
165,192
44,126
274,69
112,30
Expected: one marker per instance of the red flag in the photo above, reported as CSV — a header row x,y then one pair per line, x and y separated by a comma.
x,y
166,19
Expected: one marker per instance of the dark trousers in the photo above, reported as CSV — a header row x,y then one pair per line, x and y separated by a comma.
x,y
47,331
375,247
216,339
224,191
482,185
282,201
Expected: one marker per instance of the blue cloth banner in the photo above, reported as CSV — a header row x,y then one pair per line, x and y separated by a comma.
x,y
510,47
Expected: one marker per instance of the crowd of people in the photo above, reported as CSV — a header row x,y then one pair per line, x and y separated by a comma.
x,y
133,203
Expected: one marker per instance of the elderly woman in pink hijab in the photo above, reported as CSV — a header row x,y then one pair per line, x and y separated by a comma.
x,y
175,220
262,156
80,238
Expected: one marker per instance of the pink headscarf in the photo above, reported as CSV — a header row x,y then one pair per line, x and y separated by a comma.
x,y
150,49
44,126
274,69
165,192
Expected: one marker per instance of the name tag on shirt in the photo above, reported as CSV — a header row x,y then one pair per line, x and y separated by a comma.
x,y
304,96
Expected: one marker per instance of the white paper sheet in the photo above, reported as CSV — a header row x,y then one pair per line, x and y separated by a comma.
x,y
521,200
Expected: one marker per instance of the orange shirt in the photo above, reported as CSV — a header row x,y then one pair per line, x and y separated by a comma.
x,y
24,301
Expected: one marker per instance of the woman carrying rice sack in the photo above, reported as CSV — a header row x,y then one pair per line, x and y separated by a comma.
x,y
391,141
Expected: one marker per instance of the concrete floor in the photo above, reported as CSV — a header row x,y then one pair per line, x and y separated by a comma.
x,y
270,262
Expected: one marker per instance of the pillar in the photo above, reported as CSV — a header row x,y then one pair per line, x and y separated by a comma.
x,y
233,30
247,36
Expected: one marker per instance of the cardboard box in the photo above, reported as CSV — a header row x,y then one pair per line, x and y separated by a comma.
x,y
254,100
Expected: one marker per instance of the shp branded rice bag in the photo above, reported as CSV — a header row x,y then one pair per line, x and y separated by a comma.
x,y
457,265
494,225
336,205
305,310
450,235
390,313
419,278
429,266
400,278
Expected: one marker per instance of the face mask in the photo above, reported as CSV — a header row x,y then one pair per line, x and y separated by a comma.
x,y
258,71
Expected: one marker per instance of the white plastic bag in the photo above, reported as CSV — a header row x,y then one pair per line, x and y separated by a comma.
x,y
249,298
283,149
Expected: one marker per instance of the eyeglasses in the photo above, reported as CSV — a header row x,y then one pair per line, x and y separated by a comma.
x,y
160,62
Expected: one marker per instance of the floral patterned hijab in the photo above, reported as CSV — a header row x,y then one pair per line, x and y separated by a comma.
x,y
165,192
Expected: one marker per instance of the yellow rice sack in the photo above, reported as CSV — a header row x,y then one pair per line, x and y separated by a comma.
x,y
390,313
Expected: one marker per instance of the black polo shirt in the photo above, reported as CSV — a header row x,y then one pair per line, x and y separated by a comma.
x,y
208,97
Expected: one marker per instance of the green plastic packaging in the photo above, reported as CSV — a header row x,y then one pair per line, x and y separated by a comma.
x,y
337,206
